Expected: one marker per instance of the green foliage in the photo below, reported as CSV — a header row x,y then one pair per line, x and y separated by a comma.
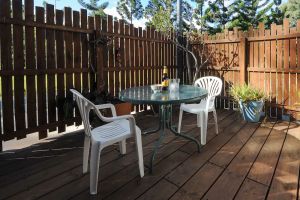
x,y
216,16
246,93
163,12
276,15
130,9
94,7
198,14
291,9
249,13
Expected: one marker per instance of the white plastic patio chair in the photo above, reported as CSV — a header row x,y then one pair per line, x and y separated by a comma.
x,y
118,129
214,87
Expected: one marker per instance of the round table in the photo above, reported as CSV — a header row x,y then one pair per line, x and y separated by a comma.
x,y
165,100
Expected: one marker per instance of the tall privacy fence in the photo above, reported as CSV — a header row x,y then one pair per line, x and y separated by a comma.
x,y
45,52
268,59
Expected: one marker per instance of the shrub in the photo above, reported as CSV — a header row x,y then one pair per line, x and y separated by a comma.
x,y
246,93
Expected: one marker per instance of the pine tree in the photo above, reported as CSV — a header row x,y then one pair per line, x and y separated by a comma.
x,y
276,15
165,10
216,16
249,13
291,9
94,7
198,14
130,9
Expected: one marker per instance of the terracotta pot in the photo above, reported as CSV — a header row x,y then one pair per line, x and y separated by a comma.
x,y
123,108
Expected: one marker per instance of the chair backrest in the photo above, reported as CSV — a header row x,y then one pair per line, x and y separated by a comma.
x,y
214,87
212,84
85,106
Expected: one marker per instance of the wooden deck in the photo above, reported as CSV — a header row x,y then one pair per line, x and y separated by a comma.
x,y
245,161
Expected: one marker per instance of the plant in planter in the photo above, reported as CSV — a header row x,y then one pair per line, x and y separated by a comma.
x,y
251,101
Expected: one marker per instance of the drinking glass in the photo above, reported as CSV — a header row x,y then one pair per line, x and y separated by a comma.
x,y
174,85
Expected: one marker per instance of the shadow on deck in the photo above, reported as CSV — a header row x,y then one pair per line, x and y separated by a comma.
x,y
245,161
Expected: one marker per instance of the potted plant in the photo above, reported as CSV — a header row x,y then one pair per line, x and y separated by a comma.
x,y
251,101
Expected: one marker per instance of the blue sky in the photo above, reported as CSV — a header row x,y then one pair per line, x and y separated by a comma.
x,y
74,4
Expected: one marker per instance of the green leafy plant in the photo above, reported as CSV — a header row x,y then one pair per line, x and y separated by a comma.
x,y
246,93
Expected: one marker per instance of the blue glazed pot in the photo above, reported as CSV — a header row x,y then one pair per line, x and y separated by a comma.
x,y
251,110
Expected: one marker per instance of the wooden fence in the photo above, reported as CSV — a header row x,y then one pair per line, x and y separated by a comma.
x,y
45,52
268,59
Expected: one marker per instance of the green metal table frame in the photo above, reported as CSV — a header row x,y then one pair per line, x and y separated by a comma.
x,y
165,121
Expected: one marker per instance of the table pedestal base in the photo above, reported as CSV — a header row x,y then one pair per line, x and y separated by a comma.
x,y
165,121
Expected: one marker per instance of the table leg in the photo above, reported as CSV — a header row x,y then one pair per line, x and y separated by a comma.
x,y
162,121
151,131
181,134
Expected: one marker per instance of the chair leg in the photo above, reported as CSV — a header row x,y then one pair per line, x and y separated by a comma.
x,y
86,152
122,146
94,166
204,116
216,121
139,147
198,120
179,121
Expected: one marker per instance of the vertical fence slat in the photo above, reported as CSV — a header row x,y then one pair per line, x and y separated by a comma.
x,y
273,90
116,58
267,66
286,65
19,62
104,63
6,64
50,65
84,50
68,48
122,54
41,65
30,64
279,67
60,61
92,52
68,37
127,59
110,74
131,56
77,59
292,81
101,56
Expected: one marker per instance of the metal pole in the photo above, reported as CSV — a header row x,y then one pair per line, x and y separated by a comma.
x,y
179,51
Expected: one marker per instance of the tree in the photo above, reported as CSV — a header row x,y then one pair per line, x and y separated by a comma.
x,y
94,7
216,16
291,9
155,10
249,13
198,14
129,9
276,15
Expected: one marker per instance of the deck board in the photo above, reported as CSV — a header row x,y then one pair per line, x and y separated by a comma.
x,y
244,161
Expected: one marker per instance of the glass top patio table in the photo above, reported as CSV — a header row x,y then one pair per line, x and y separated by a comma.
x,y
165,100
144,95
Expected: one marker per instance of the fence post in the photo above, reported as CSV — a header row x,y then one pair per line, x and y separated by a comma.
x,y
100,58
243,60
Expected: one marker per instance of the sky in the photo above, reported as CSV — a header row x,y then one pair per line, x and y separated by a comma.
x,y
111,10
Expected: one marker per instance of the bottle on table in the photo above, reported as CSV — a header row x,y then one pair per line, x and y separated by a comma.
x,y
165,79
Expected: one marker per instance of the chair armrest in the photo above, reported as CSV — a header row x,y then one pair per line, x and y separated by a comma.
x,y
107,105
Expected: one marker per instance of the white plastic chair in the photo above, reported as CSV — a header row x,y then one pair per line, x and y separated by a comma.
x,y
214,87
118,130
